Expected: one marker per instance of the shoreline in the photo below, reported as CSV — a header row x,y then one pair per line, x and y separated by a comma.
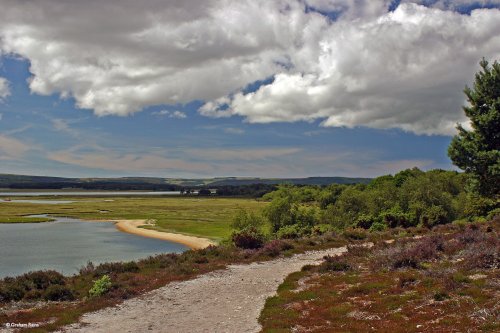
x,y
132,227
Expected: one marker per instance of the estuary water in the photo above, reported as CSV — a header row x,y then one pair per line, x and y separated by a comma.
x,y
66,245
85,193
44,202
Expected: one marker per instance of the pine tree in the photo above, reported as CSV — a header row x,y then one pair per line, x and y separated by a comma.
x,y
477,151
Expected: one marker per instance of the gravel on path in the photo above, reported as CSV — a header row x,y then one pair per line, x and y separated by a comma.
x,y
228,300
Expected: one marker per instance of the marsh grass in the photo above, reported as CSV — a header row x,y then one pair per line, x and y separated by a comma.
x,y
197,216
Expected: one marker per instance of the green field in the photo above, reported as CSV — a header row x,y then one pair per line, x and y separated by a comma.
x,y
206,217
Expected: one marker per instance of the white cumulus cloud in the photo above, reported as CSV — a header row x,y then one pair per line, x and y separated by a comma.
x,y
4,88
170,114
369,67
405,69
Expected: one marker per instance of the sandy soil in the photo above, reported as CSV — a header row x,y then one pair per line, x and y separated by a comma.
x,y
132,227
228,300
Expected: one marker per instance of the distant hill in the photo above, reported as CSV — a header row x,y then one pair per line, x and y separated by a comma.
x,y
156,183
294,181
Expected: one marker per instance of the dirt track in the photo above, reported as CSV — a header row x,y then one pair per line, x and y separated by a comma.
x,y
223,301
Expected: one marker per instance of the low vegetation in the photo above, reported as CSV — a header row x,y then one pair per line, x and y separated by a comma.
x,y
24,219
441,282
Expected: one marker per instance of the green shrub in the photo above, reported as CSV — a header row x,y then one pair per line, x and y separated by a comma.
x,y
321,229
58,293
378,226
243,220
433,216
492,214
290,232
278,212
479,206
395,217
461,224
101,286
365,221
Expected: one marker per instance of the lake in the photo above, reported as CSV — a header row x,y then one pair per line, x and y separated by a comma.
x,y
85,193
66,245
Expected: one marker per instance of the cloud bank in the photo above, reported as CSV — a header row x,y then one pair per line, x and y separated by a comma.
x,y
344,62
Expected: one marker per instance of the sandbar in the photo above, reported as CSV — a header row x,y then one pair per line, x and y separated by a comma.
x,y
132,227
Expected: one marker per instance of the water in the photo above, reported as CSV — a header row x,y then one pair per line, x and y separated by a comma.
x,y
85,193
45,202
66,245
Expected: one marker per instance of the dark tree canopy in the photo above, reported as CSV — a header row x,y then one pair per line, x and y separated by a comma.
x,y
477,151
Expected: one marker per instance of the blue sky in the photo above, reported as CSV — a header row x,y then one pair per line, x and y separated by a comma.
x,y
33,119
65,116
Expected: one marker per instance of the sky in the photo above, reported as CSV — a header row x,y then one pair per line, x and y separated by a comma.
x,y
249,88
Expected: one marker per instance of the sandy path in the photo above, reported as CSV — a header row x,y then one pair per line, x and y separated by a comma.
x,y
223,301
132,227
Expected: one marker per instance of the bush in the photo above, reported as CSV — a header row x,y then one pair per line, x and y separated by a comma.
x,y
290,232
243,220
480,206
31,286
409,255
89,268
493,214
131,267
250,238
433,216
321,229
334,264
365,221
201,260
378,226
470,235
275,247
115,267
101,286
161,260
42,279
11,292
355,233
395,217
484,254
405,259
33,295
58,293
358,250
